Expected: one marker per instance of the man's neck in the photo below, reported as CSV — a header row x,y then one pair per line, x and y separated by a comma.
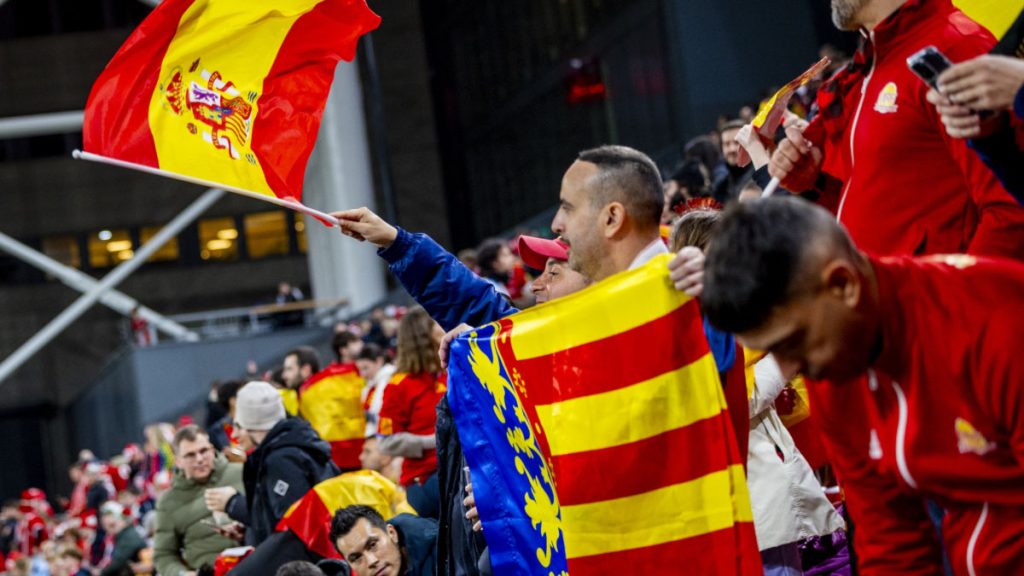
x,y
875,12
622,253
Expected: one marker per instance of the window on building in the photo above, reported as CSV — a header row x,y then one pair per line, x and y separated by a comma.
x,y
63,249
167,253
266,234
300,232
109,248
218,239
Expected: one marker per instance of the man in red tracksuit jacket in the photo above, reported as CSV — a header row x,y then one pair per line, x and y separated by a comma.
x,y
941,415
881,158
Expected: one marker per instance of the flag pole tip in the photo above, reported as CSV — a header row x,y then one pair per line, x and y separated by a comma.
x,y
76,154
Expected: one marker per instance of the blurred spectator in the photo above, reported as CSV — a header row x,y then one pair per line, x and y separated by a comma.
x,y
69,562
299,364
496,263
468,258
346,347
402,546
9,517
287,459
128,544
184,541
688,182
142,334
727,188
214,408
377,371
221,433
32,529
709,154
287,294
371,458
299,568
408,414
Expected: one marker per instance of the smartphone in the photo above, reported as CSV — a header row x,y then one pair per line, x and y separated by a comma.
x,y
927,64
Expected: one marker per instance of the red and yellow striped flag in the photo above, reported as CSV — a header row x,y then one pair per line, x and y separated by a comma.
x,y
225,91
331,402
310,517
597,435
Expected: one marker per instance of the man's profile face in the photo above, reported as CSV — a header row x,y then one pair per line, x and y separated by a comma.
x,y
557,280
730,147
292,372
351,350
196,458
577,219
370,550
371,457
817,335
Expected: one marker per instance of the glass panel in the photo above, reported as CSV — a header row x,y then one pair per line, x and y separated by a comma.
x,y
218,239
266,234
300,232
63,249
109,248
167,252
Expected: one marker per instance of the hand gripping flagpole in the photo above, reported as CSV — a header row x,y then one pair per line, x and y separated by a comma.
x,y
286,203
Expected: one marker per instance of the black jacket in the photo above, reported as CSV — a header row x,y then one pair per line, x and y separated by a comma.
x,y
290,460
418,536
459,549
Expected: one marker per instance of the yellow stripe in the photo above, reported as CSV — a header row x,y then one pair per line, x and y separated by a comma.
x,y
611,307
239,39
706,504
996,15
334,409
640,411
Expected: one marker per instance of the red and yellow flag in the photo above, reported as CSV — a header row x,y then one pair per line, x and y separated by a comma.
x,y
226,91
331,402
597,435
310,517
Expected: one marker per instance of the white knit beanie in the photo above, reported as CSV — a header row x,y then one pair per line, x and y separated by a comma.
x,y
258,406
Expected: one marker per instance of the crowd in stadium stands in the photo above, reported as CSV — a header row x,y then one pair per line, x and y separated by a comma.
x,y
355,466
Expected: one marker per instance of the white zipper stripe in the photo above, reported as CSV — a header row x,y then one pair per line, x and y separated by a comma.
x,y
901,437
853,126
974,540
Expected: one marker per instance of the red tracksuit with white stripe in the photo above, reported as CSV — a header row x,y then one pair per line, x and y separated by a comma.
x,y
905,186
941,416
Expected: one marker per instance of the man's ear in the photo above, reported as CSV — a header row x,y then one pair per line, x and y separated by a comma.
x,y
613,217
842,282
392,533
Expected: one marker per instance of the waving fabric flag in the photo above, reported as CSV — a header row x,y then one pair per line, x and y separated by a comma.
x,y
597,437
226,91
331,401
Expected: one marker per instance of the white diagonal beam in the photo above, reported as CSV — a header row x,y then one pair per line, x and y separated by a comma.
x,y
78,280
84,302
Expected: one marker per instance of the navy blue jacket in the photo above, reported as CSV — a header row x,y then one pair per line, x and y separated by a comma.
x,y
1003,156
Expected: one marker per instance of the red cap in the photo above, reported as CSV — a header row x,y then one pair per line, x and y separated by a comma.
x,y
33,494
535,251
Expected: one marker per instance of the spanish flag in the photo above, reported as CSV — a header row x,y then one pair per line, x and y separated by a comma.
x,y
331,402
995,15
228,91
596,431
310,517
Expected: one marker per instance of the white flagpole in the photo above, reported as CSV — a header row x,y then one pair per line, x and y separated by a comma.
x,y
291,204
770,188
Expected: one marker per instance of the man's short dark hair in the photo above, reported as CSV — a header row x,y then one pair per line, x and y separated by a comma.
x,y
306,355
189,433
299,568
630,177
226,391
734,124
372,351
341,340
756,260
346,518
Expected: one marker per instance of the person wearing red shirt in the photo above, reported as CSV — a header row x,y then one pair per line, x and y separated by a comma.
x,y
940,415
877,152
408,414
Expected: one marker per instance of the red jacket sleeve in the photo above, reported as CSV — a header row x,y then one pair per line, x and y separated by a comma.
x,y
1000,370
1000,229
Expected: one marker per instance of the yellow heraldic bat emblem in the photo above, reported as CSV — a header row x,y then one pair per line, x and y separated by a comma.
x,y
969,440
540,503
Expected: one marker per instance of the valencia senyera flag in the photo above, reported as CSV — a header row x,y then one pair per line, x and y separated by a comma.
x,y
596,432
225,91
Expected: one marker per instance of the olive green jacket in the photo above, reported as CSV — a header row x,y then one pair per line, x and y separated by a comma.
x,y
182,542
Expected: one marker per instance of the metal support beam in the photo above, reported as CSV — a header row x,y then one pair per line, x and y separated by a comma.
x,y
118,274
78,280
41,124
